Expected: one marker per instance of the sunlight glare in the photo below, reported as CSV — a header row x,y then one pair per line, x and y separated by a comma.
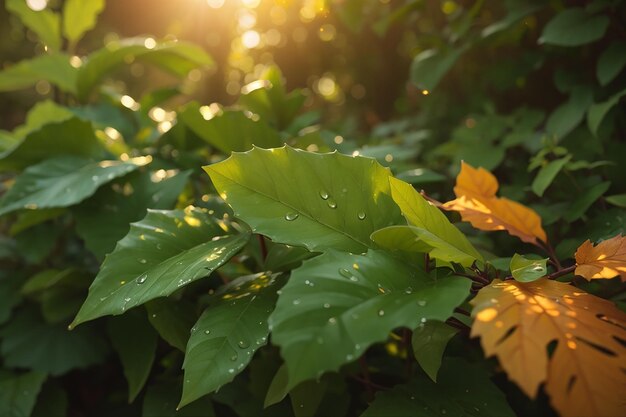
x,y
251,39
37,5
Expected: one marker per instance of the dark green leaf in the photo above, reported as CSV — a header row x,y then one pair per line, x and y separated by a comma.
x,y
306,199
430,66
618,200
18,393
580,205
162,253
173,320
527,270
9,294
337,304
52,401
598,111
547,173
611,62
429,341
569,115
574,27
161,399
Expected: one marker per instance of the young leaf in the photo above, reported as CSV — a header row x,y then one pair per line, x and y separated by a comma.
x,y
162,253
79,16
61,182
225,337
574,27
54,68
319,201
431,226
429,340
547,173
605,260
135,342
527,270
18,393
338,304
477,202
463,389
585,373
45,23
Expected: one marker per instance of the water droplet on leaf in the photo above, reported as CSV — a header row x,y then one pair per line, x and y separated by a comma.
x,y
324,195
361,215
291,216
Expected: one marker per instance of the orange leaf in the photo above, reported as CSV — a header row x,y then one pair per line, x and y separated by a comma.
x,y
606,260
477,202
584,375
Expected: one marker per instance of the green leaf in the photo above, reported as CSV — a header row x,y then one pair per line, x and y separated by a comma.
x,y
173,320
230,130
177,58
338,304
9,294
135,342
611,62
584,200
306,398
52,401
162,253
18,393
45,23
161,399
569,115
463,389
517,11
42,113
574,27
29,218
429,341
618,200
104,219
225,337
431,226
547,173
61,182
430,66
598,111
54,68
79,16
299,198
69,137
29,342
527,270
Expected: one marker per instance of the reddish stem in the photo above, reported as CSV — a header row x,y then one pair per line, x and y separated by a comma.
x,y
263,247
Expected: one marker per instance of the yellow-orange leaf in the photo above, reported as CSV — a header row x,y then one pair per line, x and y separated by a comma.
x,y
478,204
585,374
606,260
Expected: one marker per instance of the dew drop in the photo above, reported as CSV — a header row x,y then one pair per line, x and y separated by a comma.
x,y
332,320
421,303
361,215
291,216
127,299
158,246
332,204
243,344
94,178
142,279
142,261
345,273
234,357
296,301
381,313
349,357
324,195
207,332
423,320
231,371
409,290
326,305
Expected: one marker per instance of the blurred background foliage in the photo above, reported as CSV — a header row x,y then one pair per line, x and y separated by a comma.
x,y
532,91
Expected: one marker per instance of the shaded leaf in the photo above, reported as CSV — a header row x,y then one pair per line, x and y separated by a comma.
x,y
54,68
584,200
584,375
547,173
338,304
607,259
9,295
569,114
618,200
160,254
527,270
477,202
161,399
611,62
18,393
429,340
319,201
173,320
430,66
79,16
45,23
574,27
598,111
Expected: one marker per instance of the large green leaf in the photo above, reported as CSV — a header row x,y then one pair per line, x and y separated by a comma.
x,y
104,219
574,27
319,201
162,253
45,23
173,320
431,226
527,270
177,58
611,62
18,393
42,113
430,66
28,342
547,173
231,130
225,337
463,389
61,182
429,341
338,304
79,16
69,137
54,68
135,342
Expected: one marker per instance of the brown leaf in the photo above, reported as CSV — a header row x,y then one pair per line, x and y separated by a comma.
x,y
477,202
606,260
585,374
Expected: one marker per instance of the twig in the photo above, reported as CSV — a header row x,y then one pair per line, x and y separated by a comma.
x,y
369,383
431,200
458,324
461,311
476,278
555,274
263,247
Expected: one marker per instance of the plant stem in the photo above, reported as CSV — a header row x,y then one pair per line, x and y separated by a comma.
x,y
263,247
457,324
366,378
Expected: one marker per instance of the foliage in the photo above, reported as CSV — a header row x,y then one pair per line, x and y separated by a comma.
x,y
320,265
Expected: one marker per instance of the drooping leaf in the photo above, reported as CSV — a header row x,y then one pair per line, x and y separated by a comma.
x,y
28,342
611,62
135,342
54,68
430,66
569,114
299,198
79,16
598,111
61,182
431,226
173,320
225,337
338,304
45,23
547,173
429,340
605,260
161,399
18,393
160,254
477,202
574,27
527,270
584,200
463,389
177,58
618,200
584,375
